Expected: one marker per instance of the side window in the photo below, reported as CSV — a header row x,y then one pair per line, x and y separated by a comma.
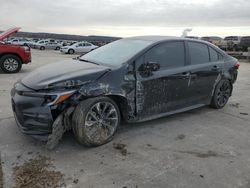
x,y
169,54
198,53
213,55
87,44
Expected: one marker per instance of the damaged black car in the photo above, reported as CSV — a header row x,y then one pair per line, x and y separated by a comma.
x,y
132,80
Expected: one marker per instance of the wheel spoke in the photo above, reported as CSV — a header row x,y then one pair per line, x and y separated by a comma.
x,y
109,127
93,115
90,123
104,108
98,108
110,112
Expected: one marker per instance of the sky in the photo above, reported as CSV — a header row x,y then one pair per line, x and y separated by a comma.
x,y
124,18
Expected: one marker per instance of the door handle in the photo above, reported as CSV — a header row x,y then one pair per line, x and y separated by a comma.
x,y
186,74
215,68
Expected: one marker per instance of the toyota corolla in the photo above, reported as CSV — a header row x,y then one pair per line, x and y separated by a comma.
x,y
133,79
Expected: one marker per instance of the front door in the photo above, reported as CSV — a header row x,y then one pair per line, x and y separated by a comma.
x,y
162,79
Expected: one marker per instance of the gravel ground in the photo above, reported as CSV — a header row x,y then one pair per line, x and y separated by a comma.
x,y
199,148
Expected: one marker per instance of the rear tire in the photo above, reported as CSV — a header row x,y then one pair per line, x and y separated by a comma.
x,y
95,121
42,48
221,94
57,48
10,63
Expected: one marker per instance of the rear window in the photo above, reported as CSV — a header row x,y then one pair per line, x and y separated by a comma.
x,y
199,53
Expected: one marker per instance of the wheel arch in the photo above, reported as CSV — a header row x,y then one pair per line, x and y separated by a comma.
x,y
15,54
122,104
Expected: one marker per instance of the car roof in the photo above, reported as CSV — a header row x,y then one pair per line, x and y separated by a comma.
x,y
156,39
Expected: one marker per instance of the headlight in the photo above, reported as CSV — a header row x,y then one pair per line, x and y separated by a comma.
x,y
51,98
67,84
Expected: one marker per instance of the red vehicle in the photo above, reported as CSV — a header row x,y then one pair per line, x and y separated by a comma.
x,y
12,56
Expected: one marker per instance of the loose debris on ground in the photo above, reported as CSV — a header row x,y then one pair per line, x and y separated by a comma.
x,y
202,155
236,105
243,113
181,137
121,148
37,173
1,174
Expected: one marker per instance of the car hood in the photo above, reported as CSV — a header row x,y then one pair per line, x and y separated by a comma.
x,y
63,71
9,32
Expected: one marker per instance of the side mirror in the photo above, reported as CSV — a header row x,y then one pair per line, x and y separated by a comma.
x,y
151,66
147,69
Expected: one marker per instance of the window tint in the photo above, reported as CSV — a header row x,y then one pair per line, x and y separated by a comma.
x,y
87,44
170,54
198,53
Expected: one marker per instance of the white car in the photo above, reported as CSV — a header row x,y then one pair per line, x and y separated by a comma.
x,y
79,47
20,41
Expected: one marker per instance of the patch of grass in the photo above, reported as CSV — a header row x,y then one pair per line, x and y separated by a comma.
x,y
37,173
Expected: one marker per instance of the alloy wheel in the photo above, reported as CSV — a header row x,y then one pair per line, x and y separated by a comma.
x,y
223,93
10,64
101,121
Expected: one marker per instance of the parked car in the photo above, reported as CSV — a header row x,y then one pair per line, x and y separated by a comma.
x,y
233,42
49,45
137,79
20,41
218,41
78,47
12,57
31,43
245,43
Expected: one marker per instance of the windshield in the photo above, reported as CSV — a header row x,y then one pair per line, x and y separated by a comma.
x,y
117,52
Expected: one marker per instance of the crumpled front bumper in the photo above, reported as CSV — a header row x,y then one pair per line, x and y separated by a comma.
x,y
32,116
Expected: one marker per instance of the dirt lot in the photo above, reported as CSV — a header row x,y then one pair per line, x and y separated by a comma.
x,y
200,148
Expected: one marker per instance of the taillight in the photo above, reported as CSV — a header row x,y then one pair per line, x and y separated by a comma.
x,y
237,65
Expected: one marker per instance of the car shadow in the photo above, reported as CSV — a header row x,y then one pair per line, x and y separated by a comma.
x,y
69,140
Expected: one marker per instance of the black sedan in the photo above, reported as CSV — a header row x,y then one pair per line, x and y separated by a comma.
x,y
133,79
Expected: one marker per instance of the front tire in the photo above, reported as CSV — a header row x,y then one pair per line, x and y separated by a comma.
x,y
71,51
95,121
10,63
221,94
42,48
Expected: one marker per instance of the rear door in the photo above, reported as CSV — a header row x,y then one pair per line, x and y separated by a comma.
x,y
205,66
162,79
88,47
80,48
